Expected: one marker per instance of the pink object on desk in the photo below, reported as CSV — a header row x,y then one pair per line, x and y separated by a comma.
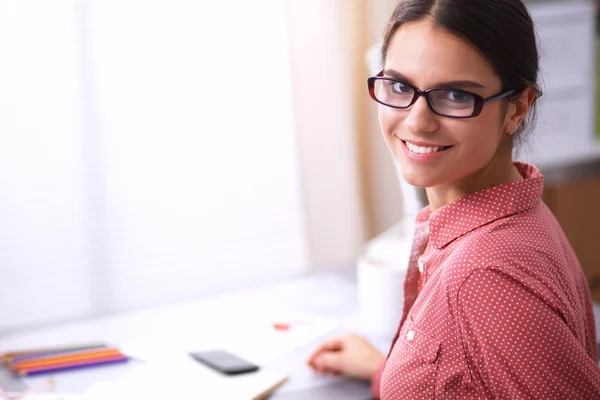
x,y
282,327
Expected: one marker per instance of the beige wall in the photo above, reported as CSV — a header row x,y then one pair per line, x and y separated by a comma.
x,y
382,186
351,189
323,103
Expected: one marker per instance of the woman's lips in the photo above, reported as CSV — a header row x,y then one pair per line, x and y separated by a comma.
x,y
419,153
424,148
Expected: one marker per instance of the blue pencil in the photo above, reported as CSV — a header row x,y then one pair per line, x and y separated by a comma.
x,y
73,367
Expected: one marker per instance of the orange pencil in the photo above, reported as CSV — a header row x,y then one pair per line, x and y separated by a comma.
x,y
64,357
18,353
72,367
74,363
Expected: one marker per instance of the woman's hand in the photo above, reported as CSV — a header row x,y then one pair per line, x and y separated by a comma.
x,y
349,355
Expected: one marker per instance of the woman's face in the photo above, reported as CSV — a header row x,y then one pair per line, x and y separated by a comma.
x,y
428,57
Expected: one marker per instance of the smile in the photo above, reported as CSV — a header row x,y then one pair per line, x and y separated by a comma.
x,y
424,150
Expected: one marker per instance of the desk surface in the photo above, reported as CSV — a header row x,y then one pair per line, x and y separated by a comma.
x,y
330,294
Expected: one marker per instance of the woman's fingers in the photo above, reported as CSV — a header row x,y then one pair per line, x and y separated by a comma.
x,y
349,355
333,344
331,362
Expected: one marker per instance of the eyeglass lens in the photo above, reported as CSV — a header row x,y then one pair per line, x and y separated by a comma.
x,y
449,102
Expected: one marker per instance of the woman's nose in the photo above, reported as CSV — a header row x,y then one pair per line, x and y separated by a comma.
x,y
421,118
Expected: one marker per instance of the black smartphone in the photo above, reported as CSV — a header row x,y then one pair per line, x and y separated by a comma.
x,y
224,362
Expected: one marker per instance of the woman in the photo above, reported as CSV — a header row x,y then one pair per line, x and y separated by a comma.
x,y
496,304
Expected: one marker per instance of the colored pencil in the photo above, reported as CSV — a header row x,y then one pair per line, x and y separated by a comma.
x,y
17,353
70,368
66,363
83,355
70,363
53,353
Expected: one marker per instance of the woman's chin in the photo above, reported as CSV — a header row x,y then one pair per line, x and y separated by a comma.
x,y
417,182
417,178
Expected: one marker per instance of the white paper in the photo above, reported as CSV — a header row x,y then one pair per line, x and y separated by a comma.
x,y
174,374
253,338
183,379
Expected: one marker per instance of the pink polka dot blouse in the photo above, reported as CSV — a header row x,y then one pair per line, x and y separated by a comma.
x,y
503,312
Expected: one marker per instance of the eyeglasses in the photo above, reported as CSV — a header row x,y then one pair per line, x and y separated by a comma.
x,y
446,102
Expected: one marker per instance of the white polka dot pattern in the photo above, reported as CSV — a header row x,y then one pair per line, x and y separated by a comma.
x,y
504,311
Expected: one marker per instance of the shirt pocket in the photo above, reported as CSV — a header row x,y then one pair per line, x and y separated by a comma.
x,y
412,367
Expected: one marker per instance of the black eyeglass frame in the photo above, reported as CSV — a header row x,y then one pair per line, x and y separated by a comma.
x,y
480,102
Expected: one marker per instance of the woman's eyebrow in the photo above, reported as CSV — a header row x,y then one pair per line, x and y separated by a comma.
x,y
459,84
396,75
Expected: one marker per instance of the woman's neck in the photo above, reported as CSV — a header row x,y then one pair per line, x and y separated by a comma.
x,y
491,175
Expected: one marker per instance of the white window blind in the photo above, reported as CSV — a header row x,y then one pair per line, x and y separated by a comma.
x,y
154,159
43,274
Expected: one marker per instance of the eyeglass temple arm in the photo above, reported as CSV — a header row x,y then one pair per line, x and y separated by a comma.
x,y
500,96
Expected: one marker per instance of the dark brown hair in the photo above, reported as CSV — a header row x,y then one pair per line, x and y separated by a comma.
x,y
502,30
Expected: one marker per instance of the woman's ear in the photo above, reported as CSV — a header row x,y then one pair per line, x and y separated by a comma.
x,y
518,110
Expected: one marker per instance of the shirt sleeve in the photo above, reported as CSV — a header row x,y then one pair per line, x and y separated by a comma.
x,y
376,381
516,346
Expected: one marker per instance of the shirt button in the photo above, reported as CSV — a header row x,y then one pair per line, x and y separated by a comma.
x,y
421,266
410,335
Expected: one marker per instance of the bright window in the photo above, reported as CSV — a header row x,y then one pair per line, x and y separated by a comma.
x,y
147,154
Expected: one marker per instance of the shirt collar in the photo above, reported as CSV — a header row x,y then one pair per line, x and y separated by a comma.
x,y
478,209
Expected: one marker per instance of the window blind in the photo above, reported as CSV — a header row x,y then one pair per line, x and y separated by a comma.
x,y
176,170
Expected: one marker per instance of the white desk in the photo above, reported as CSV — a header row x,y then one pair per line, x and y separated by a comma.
x,y
204,323
329,295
